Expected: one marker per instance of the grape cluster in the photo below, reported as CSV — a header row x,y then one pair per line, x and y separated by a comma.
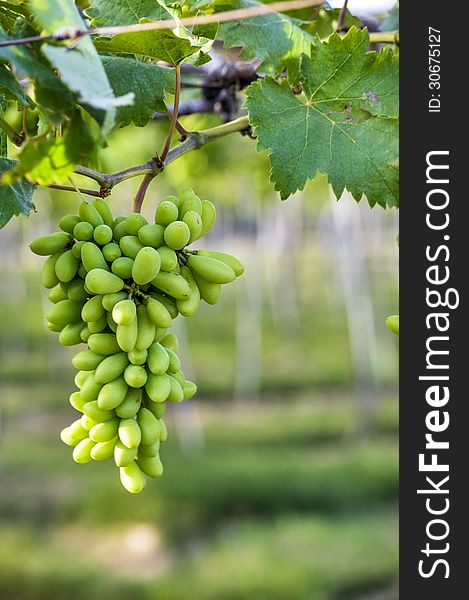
x,y
116,285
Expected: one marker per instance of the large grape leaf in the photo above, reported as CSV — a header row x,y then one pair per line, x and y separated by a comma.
x,y
50,93
273,38
15,199
9,12
147,81
343,125
80,69
54,160
169,45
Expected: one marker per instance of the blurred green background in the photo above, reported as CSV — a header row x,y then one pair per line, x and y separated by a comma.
x,y
281,475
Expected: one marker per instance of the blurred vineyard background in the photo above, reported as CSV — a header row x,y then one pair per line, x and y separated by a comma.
x,y
281,476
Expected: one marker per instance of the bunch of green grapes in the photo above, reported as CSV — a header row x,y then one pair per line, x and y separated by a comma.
x,y
116,285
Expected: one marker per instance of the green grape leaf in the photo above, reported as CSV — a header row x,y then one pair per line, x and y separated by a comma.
x,y
274,38
325,23
80,68
54,160
391,22
15,199
169,45
3,143
10,87
50,93
343,125
148,82
9,12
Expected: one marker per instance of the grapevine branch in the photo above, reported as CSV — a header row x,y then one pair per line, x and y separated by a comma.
x,y
74,34
192,141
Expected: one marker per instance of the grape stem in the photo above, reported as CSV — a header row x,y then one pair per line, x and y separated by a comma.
x,y
192,141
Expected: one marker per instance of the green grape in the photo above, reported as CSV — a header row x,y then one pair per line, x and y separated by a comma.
x,y
158,387
151,235
93,309
209,215
175,394
190,389
49,277
54,327
99,281
123,456
120,230
189,307
111,251
146,265
92,257
146,329
130,245
82,451
70,438
103,450
127,335
211,269
76,400
81,377
130,405
160,333
138,357
151,450
163,431
149,426
134,222
103,343
112,394
50,244
179,377
103,209
68,222
83,231
150,465
110,300
194,221
87,360
111,323
124,312
158,359
98,325
132,478
158,313
64,312
92,410
210,292
130,433
166,213
173,285
103,432
177,235
168,303
122,267
168,258
89,213
87,423
173,199
81,272
85,334
174,361
77,291
102,234
170,341
393,323
188,201
57,295
228,259
70,334
76,249
156,409
135,376
90,390
111,367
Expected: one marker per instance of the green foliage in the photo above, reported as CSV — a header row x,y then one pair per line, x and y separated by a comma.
x,y
11,88
171,46
343,125
274,38
147,82
53,160
80,69
16,198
